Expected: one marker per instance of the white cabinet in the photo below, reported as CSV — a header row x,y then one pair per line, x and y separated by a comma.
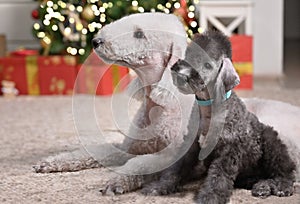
x,y
227,16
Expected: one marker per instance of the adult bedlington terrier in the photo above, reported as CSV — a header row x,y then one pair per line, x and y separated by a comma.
x,y
150,43
158,130
248,153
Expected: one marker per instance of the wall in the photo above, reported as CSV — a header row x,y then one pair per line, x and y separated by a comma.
x,y
268,37
292,19
16,23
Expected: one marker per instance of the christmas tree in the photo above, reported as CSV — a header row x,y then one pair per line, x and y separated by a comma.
x,y
68,26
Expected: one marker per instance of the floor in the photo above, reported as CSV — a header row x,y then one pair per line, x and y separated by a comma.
x,y
37,127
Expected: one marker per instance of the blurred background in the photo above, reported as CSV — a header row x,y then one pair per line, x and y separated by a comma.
x,y
266,33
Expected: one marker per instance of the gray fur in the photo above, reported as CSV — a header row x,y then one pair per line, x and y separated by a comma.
x,y
161,79
248,153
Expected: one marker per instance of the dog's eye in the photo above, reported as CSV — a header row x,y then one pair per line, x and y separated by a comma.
x,y
139,34
207,65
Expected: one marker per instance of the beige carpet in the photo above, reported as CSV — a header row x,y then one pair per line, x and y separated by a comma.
x,y
36,127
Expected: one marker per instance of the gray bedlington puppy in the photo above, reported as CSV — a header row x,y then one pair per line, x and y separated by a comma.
x,y
150,43
248,153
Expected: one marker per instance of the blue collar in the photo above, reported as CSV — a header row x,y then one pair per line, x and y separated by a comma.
x,y
210,101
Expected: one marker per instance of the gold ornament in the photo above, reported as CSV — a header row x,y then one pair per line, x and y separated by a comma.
x,y
88,13
46,44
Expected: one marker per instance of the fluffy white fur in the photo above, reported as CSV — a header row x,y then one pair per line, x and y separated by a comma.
x,y
151,57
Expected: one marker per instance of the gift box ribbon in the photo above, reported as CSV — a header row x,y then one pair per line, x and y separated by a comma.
x,y
32,75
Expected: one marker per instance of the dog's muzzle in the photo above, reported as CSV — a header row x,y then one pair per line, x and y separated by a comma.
x,y
180,80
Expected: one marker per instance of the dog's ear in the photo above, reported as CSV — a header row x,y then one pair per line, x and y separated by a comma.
x,y
176,51
227,76
170,57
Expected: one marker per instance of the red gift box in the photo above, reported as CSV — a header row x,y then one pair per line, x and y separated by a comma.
x,y
57,74
241,48
36,75
96,77
244,69
26,77
242,59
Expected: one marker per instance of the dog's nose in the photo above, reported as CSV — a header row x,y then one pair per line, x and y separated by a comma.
x,y
97,42
175,67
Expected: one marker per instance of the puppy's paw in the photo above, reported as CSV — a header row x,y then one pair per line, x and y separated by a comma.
x,y
121,184
261,189
158,188
283,188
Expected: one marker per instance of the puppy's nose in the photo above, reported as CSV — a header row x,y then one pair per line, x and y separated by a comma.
x,y
175,67
97,42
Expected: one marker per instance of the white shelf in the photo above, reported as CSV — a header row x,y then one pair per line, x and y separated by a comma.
x,y
239,11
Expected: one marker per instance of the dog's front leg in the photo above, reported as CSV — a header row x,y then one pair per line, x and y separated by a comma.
x,y
219,183
179,173
166,184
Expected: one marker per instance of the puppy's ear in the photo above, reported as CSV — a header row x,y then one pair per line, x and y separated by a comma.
x,y
227,77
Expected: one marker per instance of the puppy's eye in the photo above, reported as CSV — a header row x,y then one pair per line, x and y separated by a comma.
x,y
139,34
207,65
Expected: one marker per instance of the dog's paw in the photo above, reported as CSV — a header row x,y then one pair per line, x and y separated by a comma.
x,y
66,165
261,189
44,167
112,188
283,188
158,188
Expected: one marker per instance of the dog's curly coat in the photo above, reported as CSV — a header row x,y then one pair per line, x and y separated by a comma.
x,y
133,35
248,153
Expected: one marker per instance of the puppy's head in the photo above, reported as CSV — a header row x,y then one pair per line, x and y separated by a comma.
x,y
207,65
148,43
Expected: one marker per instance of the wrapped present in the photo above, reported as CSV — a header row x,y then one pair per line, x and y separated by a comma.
x,y
245,71
35,75
57,74
24,52
22,71
242,59
101,79
96,77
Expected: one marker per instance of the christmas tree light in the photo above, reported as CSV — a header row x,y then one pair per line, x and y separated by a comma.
x,y
68,26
